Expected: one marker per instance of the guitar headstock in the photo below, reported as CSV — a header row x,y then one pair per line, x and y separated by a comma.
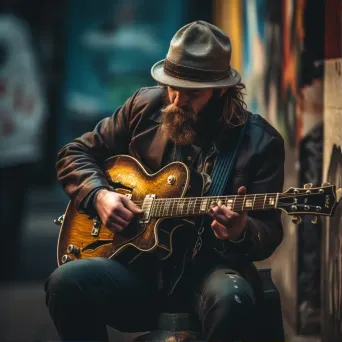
x,y
310,201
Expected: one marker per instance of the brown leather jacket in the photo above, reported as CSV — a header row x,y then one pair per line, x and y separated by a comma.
x,y
135,129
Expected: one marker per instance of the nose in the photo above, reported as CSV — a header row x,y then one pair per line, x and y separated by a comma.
x,y
180,99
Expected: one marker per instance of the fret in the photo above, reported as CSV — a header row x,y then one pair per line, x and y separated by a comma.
x,y
160,208
163,208
190,206
264,201
167,206
248,203
270,201
230,203
173,206
181,206
204,205
243,203
156,202
193,210
254,201
276,202
238,205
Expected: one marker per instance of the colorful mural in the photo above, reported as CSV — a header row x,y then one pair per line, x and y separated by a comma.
x,y
273,39
282,70
254,53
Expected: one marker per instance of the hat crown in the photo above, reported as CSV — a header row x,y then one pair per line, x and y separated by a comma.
x,y
200,45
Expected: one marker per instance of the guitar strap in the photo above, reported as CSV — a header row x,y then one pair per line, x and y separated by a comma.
x,y
224,163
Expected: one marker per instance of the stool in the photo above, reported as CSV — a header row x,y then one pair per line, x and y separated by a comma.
x,y
173,327
184,327
270,320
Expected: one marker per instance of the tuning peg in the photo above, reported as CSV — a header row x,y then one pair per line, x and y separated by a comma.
x,y
314,220
326,184
296,219
308,186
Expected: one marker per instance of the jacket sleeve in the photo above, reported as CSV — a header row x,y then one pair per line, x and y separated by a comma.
x,y
264,230
80,163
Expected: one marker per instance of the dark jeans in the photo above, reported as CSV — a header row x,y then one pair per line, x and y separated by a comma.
x,y
84,296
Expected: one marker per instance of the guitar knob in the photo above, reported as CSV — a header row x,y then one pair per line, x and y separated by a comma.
x,y
72,249
314,220
296,219
308,186
97,224
66,258
171,179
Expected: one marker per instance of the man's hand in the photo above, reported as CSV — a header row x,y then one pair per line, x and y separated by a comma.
x,y
228,224
115,210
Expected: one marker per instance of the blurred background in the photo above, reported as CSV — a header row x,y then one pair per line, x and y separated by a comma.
x,y
66,64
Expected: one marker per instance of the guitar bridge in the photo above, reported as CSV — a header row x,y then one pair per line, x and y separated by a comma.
x,y
96,227
146,207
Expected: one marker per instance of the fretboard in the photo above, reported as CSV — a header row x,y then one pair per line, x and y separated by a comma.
x,y
194,206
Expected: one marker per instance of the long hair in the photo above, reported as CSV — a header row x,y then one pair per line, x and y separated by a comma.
x,y
235,108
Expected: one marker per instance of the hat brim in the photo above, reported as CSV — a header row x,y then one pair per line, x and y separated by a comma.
x,y
157,72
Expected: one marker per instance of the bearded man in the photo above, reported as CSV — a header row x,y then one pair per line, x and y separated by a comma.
x,y
195,111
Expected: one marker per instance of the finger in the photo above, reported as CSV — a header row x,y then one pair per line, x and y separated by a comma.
x,y
230,214
217,215
219,230
119,221
114,227
224,211
242,190
124,213
130,205
213,204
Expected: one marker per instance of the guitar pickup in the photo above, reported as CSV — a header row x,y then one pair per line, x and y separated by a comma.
x,y
96,227
146,207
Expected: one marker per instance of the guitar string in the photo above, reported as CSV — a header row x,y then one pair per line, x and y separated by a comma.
x,y
198,207
156,211
229,197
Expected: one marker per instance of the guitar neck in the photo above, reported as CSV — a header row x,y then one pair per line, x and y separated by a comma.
x,y
195,206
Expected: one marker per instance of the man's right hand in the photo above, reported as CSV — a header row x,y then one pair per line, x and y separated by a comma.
x,y
116,211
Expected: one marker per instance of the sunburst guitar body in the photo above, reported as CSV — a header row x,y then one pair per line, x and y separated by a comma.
x,y
82,236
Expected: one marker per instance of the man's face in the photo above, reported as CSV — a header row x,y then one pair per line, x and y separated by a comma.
x,y
181,112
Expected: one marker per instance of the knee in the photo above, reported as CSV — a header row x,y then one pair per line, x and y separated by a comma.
x,y
63,280
67,281
225,291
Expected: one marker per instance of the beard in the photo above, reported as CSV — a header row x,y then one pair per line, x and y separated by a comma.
x,y
179,124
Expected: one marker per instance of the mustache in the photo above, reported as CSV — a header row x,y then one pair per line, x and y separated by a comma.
x,y
184,113
179,123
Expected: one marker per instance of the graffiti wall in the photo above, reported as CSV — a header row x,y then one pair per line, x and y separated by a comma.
x,y
332,172
273,41
332,247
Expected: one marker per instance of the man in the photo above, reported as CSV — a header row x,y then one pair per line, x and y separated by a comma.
x,y
194,113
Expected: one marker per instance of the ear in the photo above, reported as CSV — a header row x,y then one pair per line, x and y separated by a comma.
x,y
223,91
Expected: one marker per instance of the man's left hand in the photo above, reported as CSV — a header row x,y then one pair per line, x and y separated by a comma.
x,y
228,224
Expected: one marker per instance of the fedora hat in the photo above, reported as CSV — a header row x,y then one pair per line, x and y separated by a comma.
x,y
198,57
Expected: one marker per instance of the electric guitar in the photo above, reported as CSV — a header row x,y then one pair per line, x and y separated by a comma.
x,y
169,199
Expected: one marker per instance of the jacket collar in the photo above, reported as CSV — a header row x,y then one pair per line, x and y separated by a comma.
x,y
156,116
